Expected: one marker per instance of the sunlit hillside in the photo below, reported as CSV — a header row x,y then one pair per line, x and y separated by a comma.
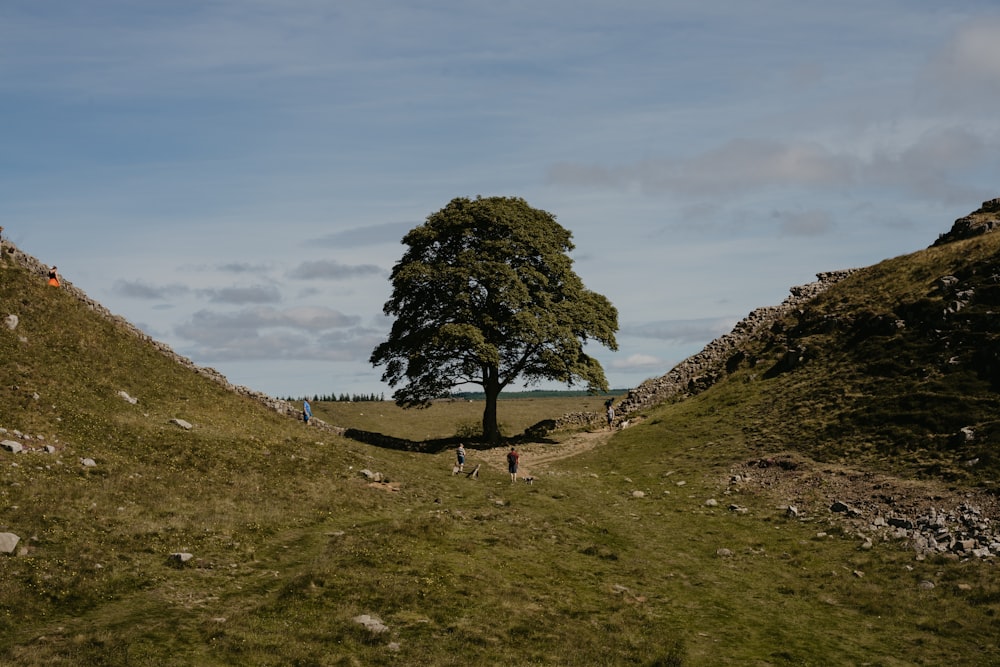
x,y
779,515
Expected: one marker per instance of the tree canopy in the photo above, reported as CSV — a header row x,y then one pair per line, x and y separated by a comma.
x,y
485,294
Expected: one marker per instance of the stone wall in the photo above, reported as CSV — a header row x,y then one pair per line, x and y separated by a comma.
x,y
700,371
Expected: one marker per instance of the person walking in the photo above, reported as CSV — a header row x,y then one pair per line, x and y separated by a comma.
x,y
54,276
611,413
513,458
460,457
307,412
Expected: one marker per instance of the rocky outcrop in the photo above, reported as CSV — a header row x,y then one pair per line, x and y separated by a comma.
x,y
875,508
983,221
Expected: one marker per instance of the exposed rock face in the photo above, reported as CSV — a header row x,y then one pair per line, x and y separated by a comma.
x,y
983,221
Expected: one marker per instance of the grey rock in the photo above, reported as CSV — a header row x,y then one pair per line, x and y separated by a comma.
x,y
964,545
8,542
373,623
183,424
11,446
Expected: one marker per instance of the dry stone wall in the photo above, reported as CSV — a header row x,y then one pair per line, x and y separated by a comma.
x,y
702,370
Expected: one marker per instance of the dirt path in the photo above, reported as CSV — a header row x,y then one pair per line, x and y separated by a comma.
x,y
537,457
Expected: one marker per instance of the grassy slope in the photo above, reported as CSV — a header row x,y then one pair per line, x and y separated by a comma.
x,y
290,543
889,396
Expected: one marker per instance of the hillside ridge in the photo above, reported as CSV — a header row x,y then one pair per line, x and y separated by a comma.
x,y
838,464
689,377
35,266
702,370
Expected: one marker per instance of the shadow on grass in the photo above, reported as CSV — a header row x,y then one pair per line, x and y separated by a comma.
x,y
438,445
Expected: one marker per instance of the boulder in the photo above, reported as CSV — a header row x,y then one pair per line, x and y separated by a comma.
x,y
373,623
11,446
8,542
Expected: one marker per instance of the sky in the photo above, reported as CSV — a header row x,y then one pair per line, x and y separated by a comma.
x,y
235,177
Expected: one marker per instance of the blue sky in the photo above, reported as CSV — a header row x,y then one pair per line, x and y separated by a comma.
x,y
235,176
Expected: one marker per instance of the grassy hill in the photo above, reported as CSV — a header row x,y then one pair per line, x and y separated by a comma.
x,y
889,366
667,545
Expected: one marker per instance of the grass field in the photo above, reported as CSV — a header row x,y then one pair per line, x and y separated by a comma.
x,y
447,419
613,556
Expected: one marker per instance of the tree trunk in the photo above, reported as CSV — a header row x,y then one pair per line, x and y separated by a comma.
x,y
491,386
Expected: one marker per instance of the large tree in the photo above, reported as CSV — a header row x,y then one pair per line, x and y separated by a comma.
x,y
484,295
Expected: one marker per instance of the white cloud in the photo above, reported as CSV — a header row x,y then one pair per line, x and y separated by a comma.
x,y
329,269
804,223
208,325
638,362
242,295
702,154
679,331
738,165
967,69
137,289
929,165
390,232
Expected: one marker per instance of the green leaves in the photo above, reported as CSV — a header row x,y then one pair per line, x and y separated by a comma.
x,y
485,294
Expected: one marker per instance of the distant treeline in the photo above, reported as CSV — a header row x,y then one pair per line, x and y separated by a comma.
x,y
464,395
333,398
